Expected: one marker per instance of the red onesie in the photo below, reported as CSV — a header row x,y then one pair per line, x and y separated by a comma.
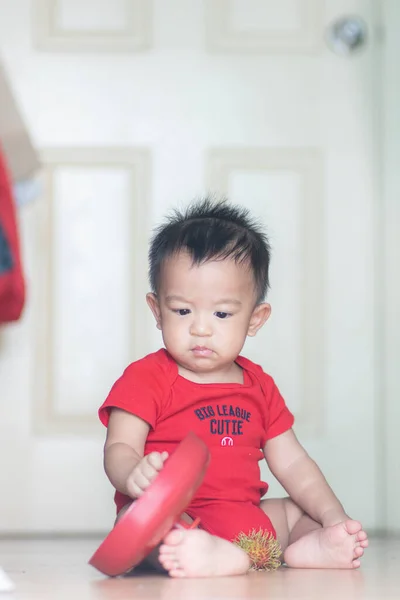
x,y
235,421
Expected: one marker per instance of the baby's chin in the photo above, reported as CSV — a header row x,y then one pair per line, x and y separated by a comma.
x,y
206,369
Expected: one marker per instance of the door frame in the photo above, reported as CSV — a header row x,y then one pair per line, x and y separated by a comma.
x,y
388,248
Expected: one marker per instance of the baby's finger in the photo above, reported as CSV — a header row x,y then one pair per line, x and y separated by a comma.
x,y
148,471
133,489
141,480
155,460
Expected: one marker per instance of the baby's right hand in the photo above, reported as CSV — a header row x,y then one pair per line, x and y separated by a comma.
x,y
144,473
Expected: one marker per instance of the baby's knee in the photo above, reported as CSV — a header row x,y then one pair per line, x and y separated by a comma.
x,y
293,511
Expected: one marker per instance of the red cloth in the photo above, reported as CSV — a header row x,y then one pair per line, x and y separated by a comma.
x,y
228,519
12,284
234,420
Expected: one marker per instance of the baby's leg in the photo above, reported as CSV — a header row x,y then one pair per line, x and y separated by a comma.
x,y
306,544
210,552
195,553
289,520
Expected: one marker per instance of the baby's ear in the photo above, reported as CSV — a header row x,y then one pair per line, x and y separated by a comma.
x,y
154,305
259,316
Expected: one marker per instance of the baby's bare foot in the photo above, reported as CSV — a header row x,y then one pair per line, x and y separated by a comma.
x,y
338,547
196,553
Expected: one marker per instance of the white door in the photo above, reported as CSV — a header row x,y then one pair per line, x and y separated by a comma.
x,y
390,252
133,111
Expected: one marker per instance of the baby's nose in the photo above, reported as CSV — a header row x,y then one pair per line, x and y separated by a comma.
x,y
200,327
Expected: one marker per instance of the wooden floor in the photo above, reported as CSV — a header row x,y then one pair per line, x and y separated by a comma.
x,y
58,570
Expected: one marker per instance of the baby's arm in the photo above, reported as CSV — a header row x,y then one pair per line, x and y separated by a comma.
x,y
126,467
302,479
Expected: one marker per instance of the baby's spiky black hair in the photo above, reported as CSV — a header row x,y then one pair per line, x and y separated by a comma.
x,y
212,230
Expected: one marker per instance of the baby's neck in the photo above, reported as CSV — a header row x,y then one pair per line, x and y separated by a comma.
x,y
232,374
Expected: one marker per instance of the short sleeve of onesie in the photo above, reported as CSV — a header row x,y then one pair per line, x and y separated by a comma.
x,y
279,417
140,389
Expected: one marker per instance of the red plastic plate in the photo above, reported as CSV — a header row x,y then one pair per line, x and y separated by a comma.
x,y
149,519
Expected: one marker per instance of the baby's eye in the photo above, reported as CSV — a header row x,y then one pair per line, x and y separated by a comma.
x,y
222,315
181,311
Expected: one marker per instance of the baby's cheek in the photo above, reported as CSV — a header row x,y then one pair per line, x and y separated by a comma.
x,y
175,333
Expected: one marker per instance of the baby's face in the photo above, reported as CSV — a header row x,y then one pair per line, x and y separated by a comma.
x,y
205,313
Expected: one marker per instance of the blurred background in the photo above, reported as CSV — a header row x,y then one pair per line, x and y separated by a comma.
x,y
113,112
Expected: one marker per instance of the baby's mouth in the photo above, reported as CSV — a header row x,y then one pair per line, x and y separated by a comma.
x,y
201,351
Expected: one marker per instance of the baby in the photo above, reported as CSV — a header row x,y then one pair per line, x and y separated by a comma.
x,y
209,278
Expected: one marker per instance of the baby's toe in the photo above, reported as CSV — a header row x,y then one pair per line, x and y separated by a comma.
x,y
177,573
352,527
358,552
173,537
165,550
166,562
169,563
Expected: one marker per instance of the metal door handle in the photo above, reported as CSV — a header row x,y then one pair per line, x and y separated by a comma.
x,y
347,35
